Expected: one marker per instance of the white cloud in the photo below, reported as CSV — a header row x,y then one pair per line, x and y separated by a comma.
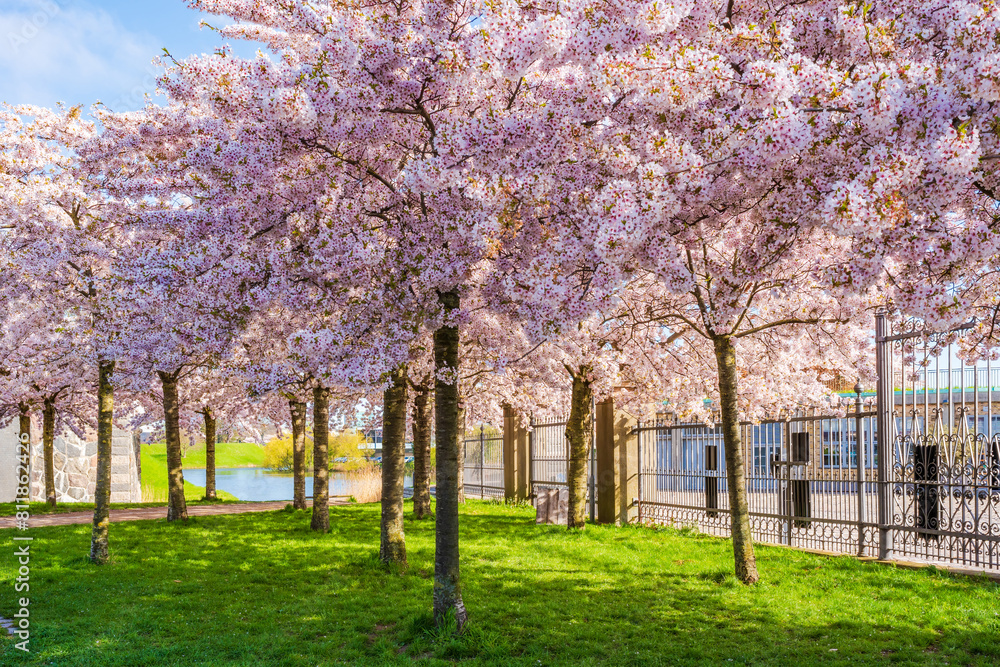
x,y
75,53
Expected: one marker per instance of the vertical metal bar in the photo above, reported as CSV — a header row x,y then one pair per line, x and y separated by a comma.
x,y
787,510
482,460
531,457
951,400
884,401
859,461
989,399
638,500
593,461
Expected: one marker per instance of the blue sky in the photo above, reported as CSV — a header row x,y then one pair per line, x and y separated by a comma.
x,y
81,51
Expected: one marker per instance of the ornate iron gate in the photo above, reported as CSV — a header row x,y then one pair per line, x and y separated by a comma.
x,y
940,491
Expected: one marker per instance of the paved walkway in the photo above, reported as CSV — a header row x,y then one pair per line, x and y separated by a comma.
x,y
148,513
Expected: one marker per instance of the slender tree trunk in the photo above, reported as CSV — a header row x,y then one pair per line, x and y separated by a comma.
x,y
393,542
421,453
102,490
210,436
321,460
298,410
176,505
746,563
48,450
447,582
579,428
460,445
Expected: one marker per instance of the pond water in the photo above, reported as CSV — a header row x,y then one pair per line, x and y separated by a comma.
x,y
261,484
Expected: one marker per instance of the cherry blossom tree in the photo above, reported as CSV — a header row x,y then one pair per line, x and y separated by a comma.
x,y
59,224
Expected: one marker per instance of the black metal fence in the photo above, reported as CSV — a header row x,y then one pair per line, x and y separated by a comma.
x,y
808,479
917,478
548,456
483,469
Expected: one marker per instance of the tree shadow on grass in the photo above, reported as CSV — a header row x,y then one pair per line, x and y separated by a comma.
x,y
264,589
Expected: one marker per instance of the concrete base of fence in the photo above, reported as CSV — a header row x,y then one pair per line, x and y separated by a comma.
x,y
914,565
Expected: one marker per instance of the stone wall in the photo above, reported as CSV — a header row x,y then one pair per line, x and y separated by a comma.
x,y
75,461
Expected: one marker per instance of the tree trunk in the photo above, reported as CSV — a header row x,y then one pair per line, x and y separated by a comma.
x,y
422,453
321,460
579,428
393,542
298,410
176,505
210,436
746,563
48,450
460,447
447,582
102,490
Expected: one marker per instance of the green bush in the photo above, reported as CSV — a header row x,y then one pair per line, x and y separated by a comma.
x,y
278,454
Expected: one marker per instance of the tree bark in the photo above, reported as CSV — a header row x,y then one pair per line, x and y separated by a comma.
x,y
321,460
422,453
176,505
447,582
102,490
743,553
579,428
48,450
393,541
298,410
210,436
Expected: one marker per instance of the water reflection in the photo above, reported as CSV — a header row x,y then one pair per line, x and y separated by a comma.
x,y
260,484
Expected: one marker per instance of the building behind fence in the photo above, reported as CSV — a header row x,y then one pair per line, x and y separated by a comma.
x,y
910,472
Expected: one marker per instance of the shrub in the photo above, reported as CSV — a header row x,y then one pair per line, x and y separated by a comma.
x,y
278,454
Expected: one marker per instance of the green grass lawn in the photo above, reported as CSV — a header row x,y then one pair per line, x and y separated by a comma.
x,y
227,455
9,509
262,589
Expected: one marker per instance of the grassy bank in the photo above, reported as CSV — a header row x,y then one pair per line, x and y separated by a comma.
x,y
262,589
227,455
154,471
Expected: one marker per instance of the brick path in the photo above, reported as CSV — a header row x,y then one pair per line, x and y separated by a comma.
x,y
148,513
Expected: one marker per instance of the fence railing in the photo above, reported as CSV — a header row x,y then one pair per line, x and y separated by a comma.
x,y
483,469
548,456
918,478
807,478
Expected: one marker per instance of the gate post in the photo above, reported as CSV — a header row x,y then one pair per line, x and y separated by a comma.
x,y
885,400
515,457
617,464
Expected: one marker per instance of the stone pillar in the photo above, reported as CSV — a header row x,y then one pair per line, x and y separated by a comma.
x,y
515,457
617,465
125,486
